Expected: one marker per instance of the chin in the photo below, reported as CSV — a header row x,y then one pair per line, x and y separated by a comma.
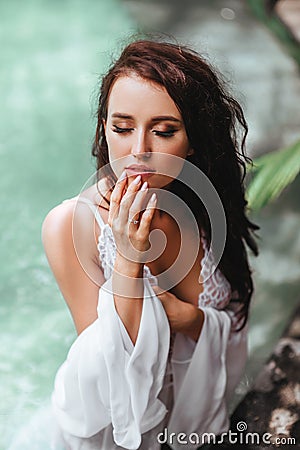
x,y
160,181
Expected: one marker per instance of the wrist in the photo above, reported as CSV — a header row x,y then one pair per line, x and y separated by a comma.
x,y
128,268
127,279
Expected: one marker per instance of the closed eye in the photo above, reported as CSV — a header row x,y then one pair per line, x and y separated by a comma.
x,y
168,133
117,129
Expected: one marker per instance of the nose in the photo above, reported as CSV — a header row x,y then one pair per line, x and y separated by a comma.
x,y
141,147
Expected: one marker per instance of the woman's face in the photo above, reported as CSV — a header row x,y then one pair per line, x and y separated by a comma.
x,y
144,131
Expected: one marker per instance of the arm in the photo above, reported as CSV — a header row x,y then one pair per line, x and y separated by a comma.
x,y
78,281
132,241
102,381
128,290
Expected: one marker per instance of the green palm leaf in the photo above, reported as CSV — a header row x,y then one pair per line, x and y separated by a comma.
x,y
272,173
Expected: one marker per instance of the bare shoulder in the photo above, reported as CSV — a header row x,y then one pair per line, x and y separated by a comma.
x,y
58,223
57,233
72,225
69,239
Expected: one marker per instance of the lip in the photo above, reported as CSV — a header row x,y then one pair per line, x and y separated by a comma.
x,y
139,168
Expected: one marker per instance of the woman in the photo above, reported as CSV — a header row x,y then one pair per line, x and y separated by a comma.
x,y
161,335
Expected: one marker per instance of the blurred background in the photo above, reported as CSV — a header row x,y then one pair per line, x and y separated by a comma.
x,y
53,54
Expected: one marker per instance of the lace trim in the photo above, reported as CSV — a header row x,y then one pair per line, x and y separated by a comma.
x,y
107,250
216,288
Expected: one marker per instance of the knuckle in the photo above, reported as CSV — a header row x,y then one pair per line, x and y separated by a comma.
x,y
123,202
147,217
113,204
114,194
133,212
126,197
142,235
114,199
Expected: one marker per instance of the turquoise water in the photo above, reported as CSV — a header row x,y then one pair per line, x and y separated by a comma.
x,y
52,53
51,59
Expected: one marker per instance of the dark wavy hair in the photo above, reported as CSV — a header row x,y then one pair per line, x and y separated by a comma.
x,y
216,129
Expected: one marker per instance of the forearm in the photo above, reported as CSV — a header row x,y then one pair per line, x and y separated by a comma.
x,y
128,291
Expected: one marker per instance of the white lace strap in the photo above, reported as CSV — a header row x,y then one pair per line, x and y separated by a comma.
x,y
93,207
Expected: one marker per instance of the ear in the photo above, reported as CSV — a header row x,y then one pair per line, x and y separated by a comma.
x,y
104,125
190,152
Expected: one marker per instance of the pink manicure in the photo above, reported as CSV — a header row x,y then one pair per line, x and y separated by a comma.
x,y
123,175
144,187
137,180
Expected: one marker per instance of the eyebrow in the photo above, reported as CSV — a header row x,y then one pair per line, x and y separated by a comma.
x,y
154,119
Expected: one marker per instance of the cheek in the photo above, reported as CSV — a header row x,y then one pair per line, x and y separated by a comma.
x,y
116,147
179,146
185,146
117,153
111,140
172,164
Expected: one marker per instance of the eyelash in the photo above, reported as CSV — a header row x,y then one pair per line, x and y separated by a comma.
x,y
165,134
121,130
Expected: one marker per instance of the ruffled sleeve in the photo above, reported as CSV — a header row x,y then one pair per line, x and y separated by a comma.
x,y
106,379
205,376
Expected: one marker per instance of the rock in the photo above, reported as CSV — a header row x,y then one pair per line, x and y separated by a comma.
x,y
271,408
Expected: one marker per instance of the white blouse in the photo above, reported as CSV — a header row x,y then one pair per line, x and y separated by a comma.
x,y
110,394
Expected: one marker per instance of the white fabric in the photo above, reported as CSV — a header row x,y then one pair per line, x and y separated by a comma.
x,y
101,383
111,394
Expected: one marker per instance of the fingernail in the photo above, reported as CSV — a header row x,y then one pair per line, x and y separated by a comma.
x,y
137,180
123,175
144,187
153,198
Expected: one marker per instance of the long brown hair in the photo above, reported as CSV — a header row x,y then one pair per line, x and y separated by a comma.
x,y
216,129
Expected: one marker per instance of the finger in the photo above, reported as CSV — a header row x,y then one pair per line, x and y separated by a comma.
x,y
128,199
148,214
116,197
138,201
